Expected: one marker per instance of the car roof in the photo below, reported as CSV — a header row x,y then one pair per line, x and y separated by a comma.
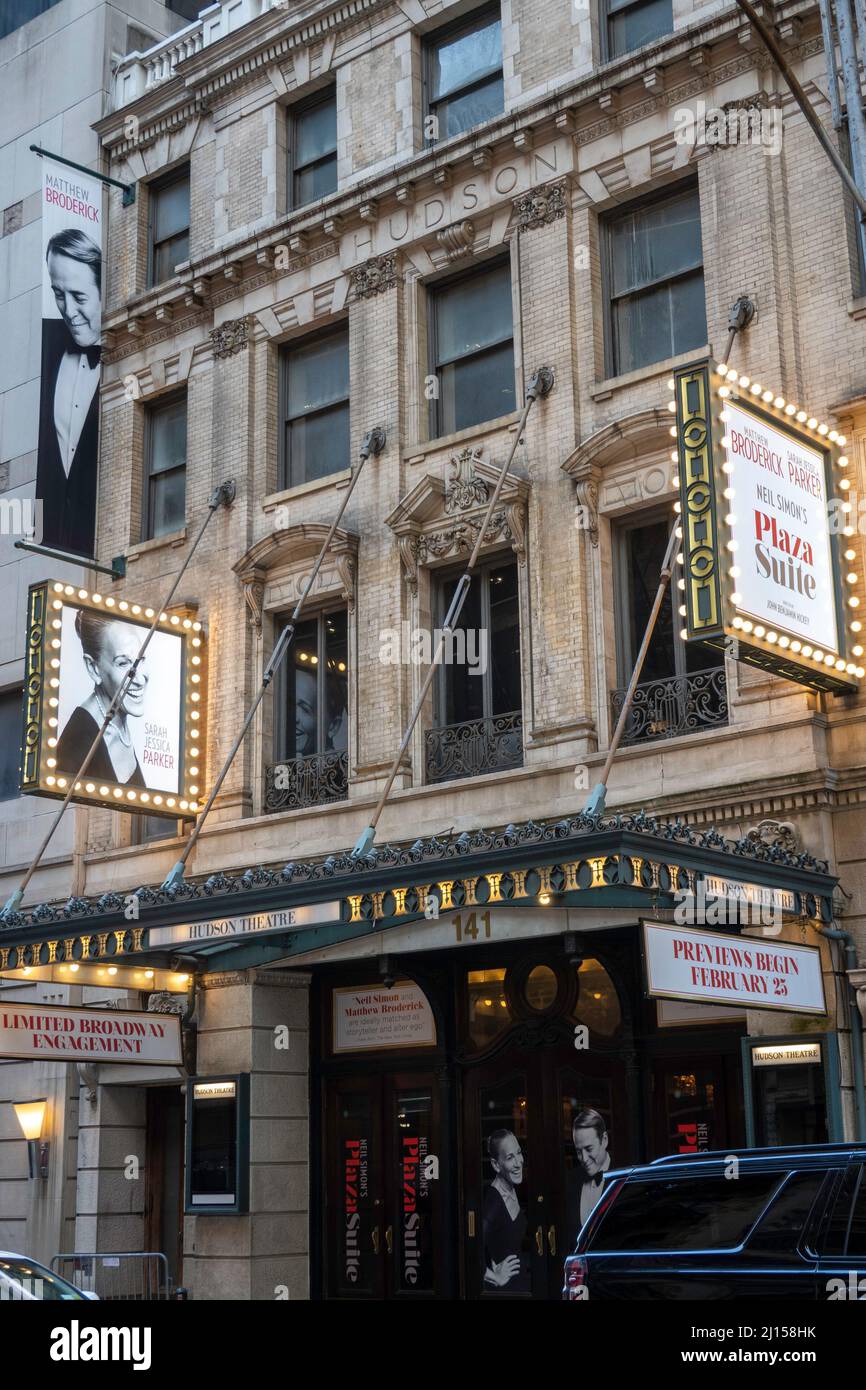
x,y
787,1156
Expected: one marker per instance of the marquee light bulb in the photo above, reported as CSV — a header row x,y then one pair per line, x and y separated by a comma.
x,y
840,665
857,651
841,440
755,389
672,405
58,588
724,391
859,673
850,555
681,583
772,636
801,416
728,494
784,641
852,578
844,484
672,386
853,601
811,422
682,610
732,545
123,605
829,660
822,429
734,571
736,598
779,402
57,603
738,622
842,460
103,791
68,590
759,629
767,396
684,633
136,608
790,409
747,625
744,381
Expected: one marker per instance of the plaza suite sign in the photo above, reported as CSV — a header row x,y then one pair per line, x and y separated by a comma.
x,y
88,1035
763,497
717,968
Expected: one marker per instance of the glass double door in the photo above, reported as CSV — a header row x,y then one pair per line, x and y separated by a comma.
x,y
383,1190
540,1129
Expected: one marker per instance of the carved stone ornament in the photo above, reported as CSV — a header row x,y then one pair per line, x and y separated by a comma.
x,y
230,337
464,488
161,1002
540,206
374,277
781,834
254,593
457,240
586,491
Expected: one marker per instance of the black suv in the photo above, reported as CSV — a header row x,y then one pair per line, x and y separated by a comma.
x,y
750,1223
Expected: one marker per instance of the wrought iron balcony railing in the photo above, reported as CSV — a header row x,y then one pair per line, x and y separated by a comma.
x,y
478,746
675,705
312,781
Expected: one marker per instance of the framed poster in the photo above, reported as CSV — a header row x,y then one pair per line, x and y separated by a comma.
x,y
80,648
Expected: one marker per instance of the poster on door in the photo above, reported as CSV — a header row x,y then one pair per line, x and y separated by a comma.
x,y
510,1228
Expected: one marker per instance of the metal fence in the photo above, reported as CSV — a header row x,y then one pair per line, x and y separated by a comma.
x,y
134,1276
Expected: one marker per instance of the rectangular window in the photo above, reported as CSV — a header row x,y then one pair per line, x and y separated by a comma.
x,y
10,743
14,13
655,277
315,695
479,722
632,23
165,468
682,687
464,75
146,829
472,349
169,225
313,148
315,409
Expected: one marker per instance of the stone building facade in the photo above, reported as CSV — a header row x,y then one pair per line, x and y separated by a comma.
x,y
582,140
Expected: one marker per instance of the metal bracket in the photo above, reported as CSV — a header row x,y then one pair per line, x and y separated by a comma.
x,y
542,384
224,495
741,314
374,442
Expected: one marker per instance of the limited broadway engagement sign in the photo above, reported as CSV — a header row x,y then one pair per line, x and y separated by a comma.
x,y
86,1035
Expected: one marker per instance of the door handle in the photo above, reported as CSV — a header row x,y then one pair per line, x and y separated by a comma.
x,y
375,1240
539,1240
470,1224
551,1239
389,1239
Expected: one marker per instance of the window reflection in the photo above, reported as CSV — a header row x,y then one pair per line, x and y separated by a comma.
x,y
489,1013
597,1003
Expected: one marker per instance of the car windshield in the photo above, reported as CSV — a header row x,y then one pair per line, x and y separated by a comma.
x,y
25,1279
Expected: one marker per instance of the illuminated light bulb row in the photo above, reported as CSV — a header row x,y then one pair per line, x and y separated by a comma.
x,y
122,606
731,377
121,793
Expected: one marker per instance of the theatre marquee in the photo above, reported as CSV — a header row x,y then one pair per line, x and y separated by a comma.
x,y
768,549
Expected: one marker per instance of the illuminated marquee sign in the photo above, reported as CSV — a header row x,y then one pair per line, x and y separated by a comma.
x,y
763,502
79,648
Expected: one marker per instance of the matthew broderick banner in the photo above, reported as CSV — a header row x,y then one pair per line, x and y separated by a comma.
x,y
71,332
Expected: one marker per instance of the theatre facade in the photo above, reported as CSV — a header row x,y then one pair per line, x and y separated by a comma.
x,y
347,1062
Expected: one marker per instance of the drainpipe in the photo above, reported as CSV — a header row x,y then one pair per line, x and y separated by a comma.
x,y
836,934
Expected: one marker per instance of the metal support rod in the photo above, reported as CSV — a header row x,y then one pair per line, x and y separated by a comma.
x,y
222,496
540,386
830,55
853,93
127,188
741,316
117,568
374,443
769,40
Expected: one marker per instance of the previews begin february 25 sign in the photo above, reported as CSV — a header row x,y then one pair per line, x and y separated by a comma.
x,y
763,489
716,968
80,650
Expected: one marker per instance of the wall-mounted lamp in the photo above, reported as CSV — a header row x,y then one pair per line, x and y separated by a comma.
x,y
31,1117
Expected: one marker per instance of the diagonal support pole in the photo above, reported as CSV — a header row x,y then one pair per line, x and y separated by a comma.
x,y
374,443
224,495
539,387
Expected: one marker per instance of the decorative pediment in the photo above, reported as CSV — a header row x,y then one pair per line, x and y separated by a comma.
x,y
623,465
275,569
440,518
